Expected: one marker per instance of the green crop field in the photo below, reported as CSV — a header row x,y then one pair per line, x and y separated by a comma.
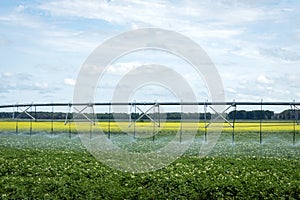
x,y
39,164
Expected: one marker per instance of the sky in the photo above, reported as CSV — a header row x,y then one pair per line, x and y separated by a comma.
x,y
254,44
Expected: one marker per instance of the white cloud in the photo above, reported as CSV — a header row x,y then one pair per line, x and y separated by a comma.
x,y
231,90
121,68
69,40
20,20
20,8
264,80
41,86
158,12
199,19
7,74
69,81
115,12
280,53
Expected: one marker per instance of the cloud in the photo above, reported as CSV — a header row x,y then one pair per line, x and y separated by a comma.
x,y
250,35
230,90
264,80
157,12
20,8
114,12
22,82
198,18
34,31
122,68
69,40
69,81
280,53
40,86
6,74
21,20
15,77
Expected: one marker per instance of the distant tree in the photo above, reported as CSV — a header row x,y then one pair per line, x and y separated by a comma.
x,y
252,115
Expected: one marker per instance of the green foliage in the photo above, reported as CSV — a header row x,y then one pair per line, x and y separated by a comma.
x,y
44,167
252,115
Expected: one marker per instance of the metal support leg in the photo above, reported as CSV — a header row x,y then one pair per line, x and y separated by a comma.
x,y
70,130
233,124
35,113
297,114
132,117
134,125
260,123
93,115
52,121
13,114
294,124
109,113
153,134
294,135
30,130
92,122
91,130
158,109
205,123
67,114
181,121
17,121
67,120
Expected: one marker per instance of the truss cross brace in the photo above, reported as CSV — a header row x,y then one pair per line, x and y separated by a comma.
x,y
147,115
220,115
81,112
25,111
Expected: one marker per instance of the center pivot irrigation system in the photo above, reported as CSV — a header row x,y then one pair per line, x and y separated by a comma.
x,y
19,109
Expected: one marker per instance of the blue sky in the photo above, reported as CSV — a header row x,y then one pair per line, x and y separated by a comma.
x,y
254,44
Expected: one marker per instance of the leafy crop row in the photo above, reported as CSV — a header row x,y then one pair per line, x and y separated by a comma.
x,y
45,166
28,173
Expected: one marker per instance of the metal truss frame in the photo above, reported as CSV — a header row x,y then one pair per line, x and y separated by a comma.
x,y
24,108
145,113
24,111
91,106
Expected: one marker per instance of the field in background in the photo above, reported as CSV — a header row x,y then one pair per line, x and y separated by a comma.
x,y
39,164
240,126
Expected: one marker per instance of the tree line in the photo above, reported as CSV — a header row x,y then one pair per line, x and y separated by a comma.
x,y
239,114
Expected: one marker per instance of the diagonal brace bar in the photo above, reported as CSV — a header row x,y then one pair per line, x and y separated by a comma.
x,y
81,112
220,115
143,114
25,111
